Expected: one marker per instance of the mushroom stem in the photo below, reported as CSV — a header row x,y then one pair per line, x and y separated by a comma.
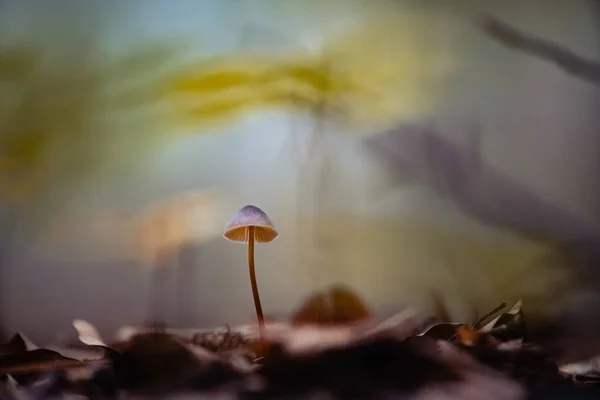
x,y
257,305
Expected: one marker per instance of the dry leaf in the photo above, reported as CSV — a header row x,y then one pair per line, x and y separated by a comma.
x,y
26,366
336,306
155,362
87,333
507,326
17,344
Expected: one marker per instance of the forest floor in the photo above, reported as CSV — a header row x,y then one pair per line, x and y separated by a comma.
x,y
332,354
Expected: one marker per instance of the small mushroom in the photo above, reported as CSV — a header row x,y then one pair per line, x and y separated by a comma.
x,y
250,224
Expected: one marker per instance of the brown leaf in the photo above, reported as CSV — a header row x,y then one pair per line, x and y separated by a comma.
x,y
26,366
467,336
336,306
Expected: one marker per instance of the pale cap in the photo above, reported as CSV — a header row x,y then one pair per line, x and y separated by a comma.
x,y
237,230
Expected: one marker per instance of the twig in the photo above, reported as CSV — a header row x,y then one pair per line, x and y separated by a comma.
x,y
570,62
488,314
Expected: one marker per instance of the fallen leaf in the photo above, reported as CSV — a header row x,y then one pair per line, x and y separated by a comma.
x,y
508,326
467,336
17,344
337,305
87,333
155,362
25,366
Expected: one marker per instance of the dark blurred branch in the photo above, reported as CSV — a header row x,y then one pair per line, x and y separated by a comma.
x,y
572,63
421,155
9,221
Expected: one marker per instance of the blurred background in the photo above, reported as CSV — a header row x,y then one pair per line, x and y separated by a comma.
x,y
415,151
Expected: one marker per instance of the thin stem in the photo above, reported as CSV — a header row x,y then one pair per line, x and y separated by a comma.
x,y
10,225
259,312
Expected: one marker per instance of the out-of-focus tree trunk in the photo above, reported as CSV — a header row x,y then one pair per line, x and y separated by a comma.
x,y
8,232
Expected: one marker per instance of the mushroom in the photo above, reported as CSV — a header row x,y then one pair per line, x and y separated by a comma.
x,y
250,224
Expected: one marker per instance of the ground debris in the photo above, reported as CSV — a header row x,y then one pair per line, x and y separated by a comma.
x,y
402,357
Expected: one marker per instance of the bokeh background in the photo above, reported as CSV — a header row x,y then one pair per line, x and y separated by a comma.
x,y
397,147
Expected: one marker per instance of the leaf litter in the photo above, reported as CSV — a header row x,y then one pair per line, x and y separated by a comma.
x,y
329,348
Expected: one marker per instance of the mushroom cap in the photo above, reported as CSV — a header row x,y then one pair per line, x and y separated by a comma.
x,y
237,230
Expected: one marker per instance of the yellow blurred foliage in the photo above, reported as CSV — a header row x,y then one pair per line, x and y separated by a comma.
x,y
371,75
65,116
